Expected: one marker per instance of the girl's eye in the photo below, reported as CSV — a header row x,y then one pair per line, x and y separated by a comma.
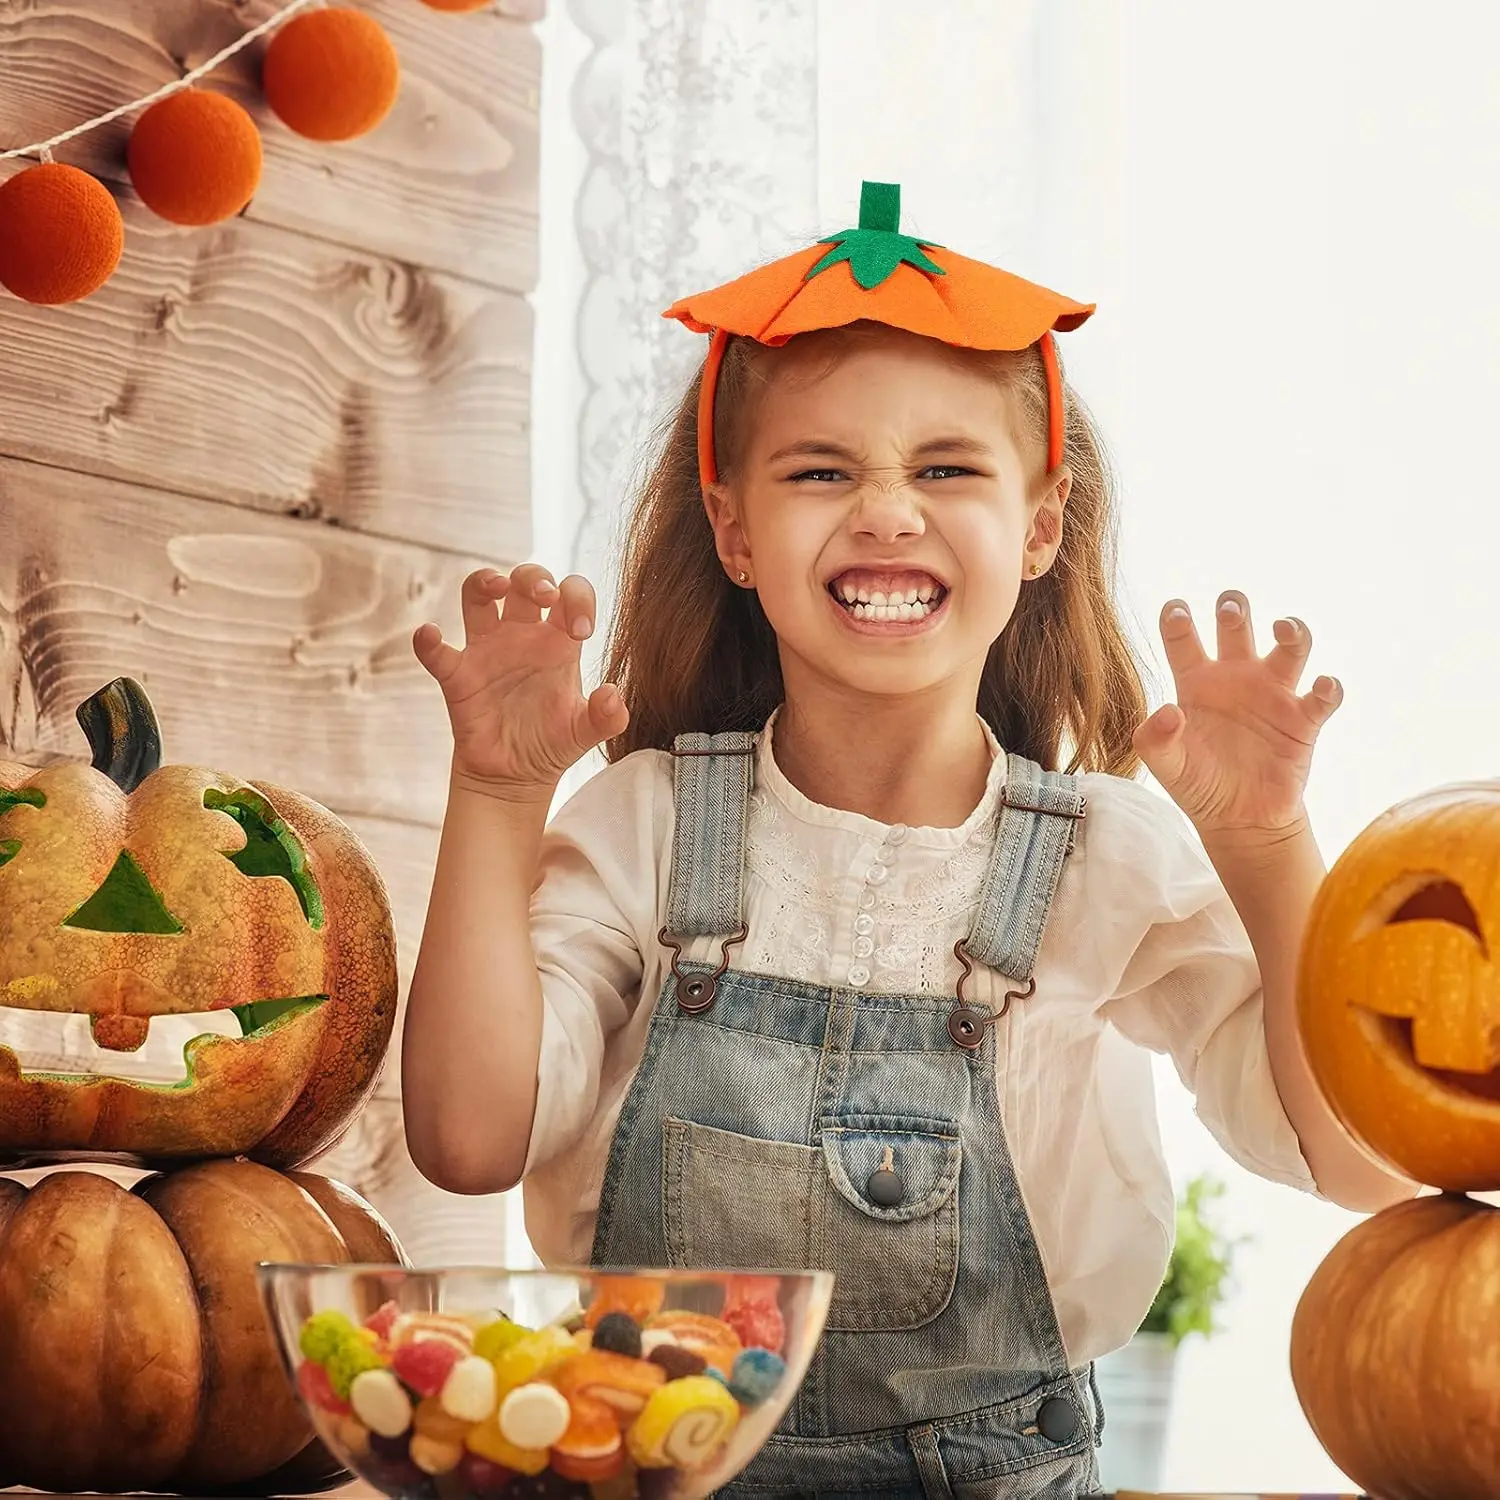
x,y
945,471
818,476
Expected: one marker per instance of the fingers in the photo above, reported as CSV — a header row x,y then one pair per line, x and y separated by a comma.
x,y
1236,635
1287,658
573,611
1158,742
1179,636
439,658
601,718
477,597
532,589
1322,702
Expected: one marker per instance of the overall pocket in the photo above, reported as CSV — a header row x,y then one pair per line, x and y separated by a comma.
x,y
736,1201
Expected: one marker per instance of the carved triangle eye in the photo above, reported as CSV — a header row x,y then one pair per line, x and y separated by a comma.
x,y
272,850
1439,901
9,848
125,902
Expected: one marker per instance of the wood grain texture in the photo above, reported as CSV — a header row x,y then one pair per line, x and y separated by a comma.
x,y
448,179
271,648
405,854
248,364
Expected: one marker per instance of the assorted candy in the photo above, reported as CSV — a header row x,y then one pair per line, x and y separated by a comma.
x,y
609,1405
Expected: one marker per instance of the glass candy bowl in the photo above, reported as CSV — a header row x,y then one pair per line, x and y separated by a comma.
x,y
446,1384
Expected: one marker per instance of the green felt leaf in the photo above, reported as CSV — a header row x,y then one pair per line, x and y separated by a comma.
x,y
125,902
271,849
9,848
30,796
877,247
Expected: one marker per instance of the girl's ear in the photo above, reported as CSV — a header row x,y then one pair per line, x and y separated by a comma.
x,y
730,541
1047,518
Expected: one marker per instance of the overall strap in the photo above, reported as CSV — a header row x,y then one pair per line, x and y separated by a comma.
x,y
1038,819
711,784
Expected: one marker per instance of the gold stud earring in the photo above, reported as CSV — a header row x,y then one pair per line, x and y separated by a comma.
x,y
744,576
1036,568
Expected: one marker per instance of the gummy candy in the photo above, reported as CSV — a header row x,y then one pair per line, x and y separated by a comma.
x,y
433,1422
640,1296
654,1338
751,1291
756,1374
677,1361
758,1324
350,1361
425,1366
533,1355
380,1403
486,1439
683,1424
381,1321
493,1339
535,1415
317,1390
618,1333
434,1457
352,1436
592,1447
470,1389
621,1382
482,1477
324,1334
431,1327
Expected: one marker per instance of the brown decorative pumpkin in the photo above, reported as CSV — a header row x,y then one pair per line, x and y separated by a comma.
x,y
129,891
134,1350
1399,989
1393,1351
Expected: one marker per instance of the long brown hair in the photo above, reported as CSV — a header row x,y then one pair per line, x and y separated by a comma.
x,y
689,650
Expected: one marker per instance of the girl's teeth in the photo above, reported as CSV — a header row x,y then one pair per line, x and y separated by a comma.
x,y
850,593
925,592
877,599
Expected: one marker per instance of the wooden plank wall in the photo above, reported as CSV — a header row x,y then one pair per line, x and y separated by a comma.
x,y
246,469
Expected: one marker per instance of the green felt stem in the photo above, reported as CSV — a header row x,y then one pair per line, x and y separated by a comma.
x,y
880,206
122,732
125,902
271,848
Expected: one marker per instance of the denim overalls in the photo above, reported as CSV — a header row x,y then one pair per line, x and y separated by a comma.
x,y
775,1123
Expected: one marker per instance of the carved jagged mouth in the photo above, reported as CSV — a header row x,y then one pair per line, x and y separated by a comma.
x,y
1393,1035
61,1046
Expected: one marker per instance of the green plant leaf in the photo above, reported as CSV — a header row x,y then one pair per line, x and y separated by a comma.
x,y
1198,1273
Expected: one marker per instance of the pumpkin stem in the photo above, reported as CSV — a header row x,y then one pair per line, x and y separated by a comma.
x,y
122,732
880,206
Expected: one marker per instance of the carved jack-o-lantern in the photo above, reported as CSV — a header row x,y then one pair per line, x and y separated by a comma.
x,y
128,892
1399,991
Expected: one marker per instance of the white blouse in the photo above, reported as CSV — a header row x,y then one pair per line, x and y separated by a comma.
x,y
1143,950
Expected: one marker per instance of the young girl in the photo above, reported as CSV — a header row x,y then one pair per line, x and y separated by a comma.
x,y
832,966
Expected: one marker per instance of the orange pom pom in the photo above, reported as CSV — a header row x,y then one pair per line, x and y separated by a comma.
x,y
195,157
331,74
60,234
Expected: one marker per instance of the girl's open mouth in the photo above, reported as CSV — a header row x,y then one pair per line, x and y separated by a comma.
x,y
887,600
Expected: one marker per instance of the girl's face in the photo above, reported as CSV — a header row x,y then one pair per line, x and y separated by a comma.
x,y
886,516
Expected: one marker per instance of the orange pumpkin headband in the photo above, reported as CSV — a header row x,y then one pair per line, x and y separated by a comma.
x,y
877,273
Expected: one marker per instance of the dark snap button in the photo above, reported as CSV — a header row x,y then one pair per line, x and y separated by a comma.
x,y
966,1027
1056,1420
885,1188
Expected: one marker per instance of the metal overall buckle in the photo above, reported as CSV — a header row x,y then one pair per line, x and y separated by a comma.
x,y
966,1022
696,992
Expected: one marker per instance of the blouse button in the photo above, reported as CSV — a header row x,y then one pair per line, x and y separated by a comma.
x,y
864,947
897,833
885,856
864,923
876,874
866,900
859,975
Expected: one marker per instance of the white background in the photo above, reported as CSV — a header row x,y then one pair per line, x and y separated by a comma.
x,y
1287,213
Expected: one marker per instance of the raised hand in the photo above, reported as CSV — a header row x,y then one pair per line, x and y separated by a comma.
x,y
514,693
1234,750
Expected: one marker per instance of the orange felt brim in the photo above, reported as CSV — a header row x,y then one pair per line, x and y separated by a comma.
x,y
972,306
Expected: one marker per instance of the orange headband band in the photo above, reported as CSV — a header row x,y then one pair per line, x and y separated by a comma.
x,y
876,273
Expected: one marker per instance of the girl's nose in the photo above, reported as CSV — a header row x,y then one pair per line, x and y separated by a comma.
x,y
887,512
